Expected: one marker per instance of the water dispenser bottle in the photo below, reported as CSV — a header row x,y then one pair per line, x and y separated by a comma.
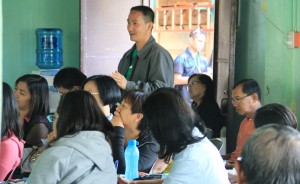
x,y
49,48
132,155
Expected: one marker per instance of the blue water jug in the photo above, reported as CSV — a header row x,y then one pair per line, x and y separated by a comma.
x,y
49,48
132,155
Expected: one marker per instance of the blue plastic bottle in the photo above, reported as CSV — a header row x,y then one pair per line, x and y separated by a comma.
x,y
132,155
49,48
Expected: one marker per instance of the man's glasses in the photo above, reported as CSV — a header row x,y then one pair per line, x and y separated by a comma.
x,y
237,100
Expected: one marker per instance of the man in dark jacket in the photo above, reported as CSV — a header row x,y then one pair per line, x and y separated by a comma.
x,y
147,65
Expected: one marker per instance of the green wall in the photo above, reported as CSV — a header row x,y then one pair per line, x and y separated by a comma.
x,y
1,54
22,18
261,52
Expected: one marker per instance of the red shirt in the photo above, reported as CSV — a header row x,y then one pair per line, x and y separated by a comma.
x,y
246,129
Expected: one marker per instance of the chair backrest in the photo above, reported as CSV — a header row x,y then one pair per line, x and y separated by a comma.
x,y
209,133
217,142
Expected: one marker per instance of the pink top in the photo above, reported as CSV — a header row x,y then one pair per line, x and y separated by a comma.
x,y
246,129
11,151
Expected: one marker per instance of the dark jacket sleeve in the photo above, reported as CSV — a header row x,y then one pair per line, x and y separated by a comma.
x,y
148,148
118,148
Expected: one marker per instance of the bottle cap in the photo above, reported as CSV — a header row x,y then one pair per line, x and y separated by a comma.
x,y
131,142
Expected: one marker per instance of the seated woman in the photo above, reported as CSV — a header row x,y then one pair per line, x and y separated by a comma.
x,y
32,94
80,153
106,91
180,134
201,90
11,145
127,126
275,113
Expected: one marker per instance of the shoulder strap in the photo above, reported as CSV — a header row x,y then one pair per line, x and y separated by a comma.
x,y
84,175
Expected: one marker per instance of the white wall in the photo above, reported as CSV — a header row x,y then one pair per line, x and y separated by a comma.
x,y
104,36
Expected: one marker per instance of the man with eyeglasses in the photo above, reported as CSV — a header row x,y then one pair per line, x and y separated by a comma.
x,y
246,99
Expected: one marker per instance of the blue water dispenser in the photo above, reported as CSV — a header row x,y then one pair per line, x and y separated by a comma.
x,y
49,48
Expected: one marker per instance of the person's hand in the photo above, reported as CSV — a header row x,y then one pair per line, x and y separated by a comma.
x,y
232,178
122,180
229,164
141,174
117,119
51,136
120,79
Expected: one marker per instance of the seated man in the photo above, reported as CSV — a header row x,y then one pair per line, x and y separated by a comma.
x,y
270,155
127,126
273,113
68,79
246,97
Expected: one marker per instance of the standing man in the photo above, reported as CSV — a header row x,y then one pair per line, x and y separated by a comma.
x,y
147,65
190,62
246,97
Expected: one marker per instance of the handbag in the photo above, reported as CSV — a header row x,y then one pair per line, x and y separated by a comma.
x,y
30,156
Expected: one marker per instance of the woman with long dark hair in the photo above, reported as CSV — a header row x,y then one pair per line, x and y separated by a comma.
x,y
81,153
201,90
11,146
106,92
180,134
32,94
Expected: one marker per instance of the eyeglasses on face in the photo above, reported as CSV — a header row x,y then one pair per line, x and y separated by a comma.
x,y
238,100
193,83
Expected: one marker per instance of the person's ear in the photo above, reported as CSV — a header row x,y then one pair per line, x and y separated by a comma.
x,y
150,26
255,97
191,40
74,88
139,116
241,179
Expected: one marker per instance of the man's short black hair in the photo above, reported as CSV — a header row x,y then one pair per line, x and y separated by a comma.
x,y
147,12
249,86
68,78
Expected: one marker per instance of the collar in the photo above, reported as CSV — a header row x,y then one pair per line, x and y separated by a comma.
x,y
145,50
188,51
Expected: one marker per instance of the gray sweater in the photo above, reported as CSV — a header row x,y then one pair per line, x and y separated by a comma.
x,y
71,156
